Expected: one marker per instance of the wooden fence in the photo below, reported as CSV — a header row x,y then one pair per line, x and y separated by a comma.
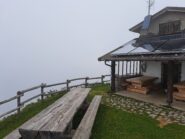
x,y
21,104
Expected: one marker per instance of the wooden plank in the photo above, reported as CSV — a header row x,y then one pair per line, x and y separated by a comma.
x,y
63,116
76,79
181,90
9,112
179,96
94,78
56,84
140,88
142,79
43,115
84,129
31,89
10,99
58,118
180,85
134,90
34,97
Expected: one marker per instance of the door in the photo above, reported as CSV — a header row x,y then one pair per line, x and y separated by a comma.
x,y
176,74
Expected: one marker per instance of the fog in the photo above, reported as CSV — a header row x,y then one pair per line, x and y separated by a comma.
x,y
52,40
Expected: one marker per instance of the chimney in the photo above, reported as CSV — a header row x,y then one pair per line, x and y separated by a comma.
x,y
146,25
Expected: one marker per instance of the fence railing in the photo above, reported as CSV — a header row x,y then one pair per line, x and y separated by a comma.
x,y
20,94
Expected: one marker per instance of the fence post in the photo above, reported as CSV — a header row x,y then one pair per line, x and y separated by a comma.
x,y
67,85
19,101
86,82
42,91
102,77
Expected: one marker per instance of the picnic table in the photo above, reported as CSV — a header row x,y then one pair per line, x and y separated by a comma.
x,y
142,80
141,84
53,121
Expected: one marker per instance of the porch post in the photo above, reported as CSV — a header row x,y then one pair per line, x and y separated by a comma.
x,y
170,83
113,86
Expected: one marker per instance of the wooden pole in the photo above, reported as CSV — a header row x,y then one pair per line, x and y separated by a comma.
x,y
86,82
170,83
18,101
118,68
113,86
137,67
102,77
126,67
42,91
140,67
133,68
67,85
122,68
130,68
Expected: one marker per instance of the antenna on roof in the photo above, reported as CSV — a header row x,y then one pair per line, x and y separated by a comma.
x,y
150,4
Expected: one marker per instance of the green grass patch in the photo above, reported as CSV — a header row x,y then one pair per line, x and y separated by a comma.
x,y
99,90
10,123
116,124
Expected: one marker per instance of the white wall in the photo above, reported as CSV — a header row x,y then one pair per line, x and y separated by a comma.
x,y
167,17
154,69
183,72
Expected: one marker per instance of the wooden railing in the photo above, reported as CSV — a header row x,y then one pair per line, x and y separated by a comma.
x,y
21,104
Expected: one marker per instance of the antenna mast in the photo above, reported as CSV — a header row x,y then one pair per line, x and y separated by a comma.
x,y
150,4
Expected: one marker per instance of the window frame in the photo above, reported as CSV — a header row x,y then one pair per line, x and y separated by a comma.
x,y
170,27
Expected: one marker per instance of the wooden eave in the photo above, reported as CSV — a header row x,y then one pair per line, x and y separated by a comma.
x,y
145,57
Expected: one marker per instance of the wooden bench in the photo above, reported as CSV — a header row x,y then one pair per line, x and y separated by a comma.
x,y
84,129
53,121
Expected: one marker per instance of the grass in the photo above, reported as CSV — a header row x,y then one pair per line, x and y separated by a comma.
x,y
98,90
116,124
110,123
12,122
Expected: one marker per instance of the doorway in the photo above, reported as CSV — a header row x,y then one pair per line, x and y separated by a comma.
x,y
176,74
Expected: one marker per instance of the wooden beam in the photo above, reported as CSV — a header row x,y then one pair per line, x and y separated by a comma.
x,y
113,85
130,68
137,64
122,67
133,67
140,67
118,67
126,67
170,83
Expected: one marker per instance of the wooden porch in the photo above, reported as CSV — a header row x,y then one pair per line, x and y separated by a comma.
x,y
128,76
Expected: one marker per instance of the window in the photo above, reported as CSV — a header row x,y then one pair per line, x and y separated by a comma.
x,y
170,27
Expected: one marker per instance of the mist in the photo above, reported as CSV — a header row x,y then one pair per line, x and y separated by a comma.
x,y
48,41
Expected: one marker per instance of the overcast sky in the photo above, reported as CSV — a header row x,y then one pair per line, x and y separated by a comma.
x,y
52,40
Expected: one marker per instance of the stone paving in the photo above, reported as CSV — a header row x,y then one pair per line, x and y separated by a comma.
x,y
134,106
